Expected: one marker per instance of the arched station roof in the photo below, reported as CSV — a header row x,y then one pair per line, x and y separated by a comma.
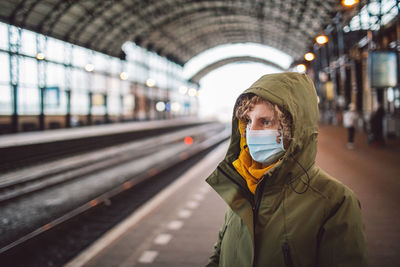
x,y
176,29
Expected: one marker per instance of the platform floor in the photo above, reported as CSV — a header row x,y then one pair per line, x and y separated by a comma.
x,y
373,173
179,226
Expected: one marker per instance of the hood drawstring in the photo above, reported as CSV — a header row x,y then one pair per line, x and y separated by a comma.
x,y
308,177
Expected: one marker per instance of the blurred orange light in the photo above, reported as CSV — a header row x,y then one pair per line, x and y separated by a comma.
x,y
321,39
309,56
349,3
301,68
188,140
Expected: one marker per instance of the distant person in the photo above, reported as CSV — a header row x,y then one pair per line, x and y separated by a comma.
x,y
283,210
377,126
350,118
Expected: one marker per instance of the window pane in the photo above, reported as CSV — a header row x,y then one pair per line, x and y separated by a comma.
x,y
79,103
129,105
28,100
79,56
113,102
28,43
3,36
113,85
5,99
79,80
55,101
28,71
115,66
5,68
98,104
98,83
125,87
55,75
55,50
101,62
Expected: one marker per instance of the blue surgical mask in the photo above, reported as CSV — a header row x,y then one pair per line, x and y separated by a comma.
x,y
263,146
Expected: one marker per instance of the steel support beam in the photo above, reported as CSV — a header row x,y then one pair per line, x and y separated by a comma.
x,y
41,47
14,43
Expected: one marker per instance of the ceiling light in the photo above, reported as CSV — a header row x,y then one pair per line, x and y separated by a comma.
x,y
301,68
123,75
349,3
89,67
309,56
40,56
321,39
150,82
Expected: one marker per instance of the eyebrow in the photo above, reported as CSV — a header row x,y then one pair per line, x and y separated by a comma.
x,y
266,118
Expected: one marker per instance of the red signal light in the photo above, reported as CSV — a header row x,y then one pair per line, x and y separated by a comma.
x,y
188,140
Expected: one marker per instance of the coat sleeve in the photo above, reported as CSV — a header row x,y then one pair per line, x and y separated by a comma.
x,y
214,258
342,238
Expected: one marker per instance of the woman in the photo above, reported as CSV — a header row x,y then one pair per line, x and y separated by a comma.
x,y
350,118
283,210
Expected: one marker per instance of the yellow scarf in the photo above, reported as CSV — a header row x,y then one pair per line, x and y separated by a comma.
x,y
252,171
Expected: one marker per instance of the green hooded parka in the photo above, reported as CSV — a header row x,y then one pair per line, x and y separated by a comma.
x,y
299,215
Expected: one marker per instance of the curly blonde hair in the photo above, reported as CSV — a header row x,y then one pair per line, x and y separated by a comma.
x,y
281,116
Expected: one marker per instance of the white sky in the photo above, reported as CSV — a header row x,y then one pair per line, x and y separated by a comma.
x,y
220,88
244,49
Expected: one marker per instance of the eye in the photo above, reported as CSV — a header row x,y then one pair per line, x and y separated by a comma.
x,y
267,123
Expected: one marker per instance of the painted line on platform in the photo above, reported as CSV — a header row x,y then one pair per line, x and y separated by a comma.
x,y
162,239
198,197
205,189
148,256
185,213
192,204
175,225
115,233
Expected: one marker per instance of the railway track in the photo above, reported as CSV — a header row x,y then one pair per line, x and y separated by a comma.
x,y
101,174
32,179
77,141
60,244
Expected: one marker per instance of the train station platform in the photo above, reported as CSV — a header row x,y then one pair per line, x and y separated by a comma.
x,y
179,226
56,135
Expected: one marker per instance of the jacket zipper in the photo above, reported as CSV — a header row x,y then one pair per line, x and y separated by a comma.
x,y
255,202
286,255
256,207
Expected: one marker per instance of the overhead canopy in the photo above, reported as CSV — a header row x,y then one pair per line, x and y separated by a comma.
x,y
176,29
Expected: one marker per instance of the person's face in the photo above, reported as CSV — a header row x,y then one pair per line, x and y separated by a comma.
x,y
261,117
